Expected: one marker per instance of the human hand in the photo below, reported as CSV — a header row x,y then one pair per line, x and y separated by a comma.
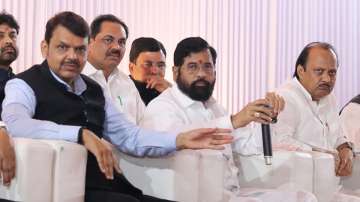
x,y
158,83
102,152
345,162
7,158
204,138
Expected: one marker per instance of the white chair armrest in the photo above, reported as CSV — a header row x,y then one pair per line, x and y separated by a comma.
x,y
326,183
289,170
33,181
174,177
69,171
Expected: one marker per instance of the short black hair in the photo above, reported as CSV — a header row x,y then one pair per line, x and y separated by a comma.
x,y
6,18
96,24
191,45
302,59
71,21
145,44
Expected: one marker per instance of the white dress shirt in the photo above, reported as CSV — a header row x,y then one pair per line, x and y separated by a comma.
x,y
305,123
19,107
349,118
121,89
172,109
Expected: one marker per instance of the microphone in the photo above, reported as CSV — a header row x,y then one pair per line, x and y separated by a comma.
x,y
267,146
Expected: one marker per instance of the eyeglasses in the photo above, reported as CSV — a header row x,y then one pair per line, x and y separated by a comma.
x,y
194,68
148,65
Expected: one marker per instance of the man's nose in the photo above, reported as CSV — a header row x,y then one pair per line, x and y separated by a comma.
x,y
154,69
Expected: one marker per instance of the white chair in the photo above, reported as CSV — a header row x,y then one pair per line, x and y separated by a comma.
x,y
33,181
179,176
47,171
68,171
289,170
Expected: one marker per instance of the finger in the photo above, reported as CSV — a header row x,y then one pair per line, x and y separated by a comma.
x,y
220,142
259,102
342,165
281,103
7,176
276,108
215,147
222,136
271,99
116,164
223,130
109,164
261,109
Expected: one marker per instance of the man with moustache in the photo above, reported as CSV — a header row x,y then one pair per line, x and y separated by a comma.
x,y
9,30
189,104
147,67
310,119
53,100
108,36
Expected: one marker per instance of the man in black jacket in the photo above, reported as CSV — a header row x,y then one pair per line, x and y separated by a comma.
x,y
9,30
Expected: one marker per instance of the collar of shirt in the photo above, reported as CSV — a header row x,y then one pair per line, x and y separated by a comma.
x,y
186,101
79,84
322,102
90,70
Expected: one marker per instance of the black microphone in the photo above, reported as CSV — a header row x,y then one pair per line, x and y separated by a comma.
x,y
267,146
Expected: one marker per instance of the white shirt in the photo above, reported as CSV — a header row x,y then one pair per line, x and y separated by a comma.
x,y
121,89
349,118
172,109
306,123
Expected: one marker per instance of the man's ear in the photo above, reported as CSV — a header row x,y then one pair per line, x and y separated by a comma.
x,y
300,71
131,67
44,48
175,70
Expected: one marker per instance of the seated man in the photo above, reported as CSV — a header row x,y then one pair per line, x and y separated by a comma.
x,y
147,67
9,29
310,119
349,117
108,36
54,101
189,104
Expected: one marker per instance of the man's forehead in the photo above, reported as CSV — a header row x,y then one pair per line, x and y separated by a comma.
x,y
6,28
62,34
203,55
111,28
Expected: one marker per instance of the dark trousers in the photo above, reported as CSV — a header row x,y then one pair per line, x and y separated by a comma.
x,y
106,196
118,190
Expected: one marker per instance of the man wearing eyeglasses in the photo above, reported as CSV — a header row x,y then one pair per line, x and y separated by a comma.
x,y
147,67
108,36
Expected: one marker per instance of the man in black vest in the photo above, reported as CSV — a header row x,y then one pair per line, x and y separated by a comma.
x,y
9,30
54,101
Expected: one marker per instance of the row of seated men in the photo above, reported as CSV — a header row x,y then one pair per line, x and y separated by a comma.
x,y
54,100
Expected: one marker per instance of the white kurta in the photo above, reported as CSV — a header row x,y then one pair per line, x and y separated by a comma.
x,y
173,110
305,123
121,89
350,117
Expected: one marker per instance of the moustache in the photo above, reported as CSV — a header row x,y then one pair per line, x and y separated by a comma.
x,y
200,81
71,62
113,52
9,47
